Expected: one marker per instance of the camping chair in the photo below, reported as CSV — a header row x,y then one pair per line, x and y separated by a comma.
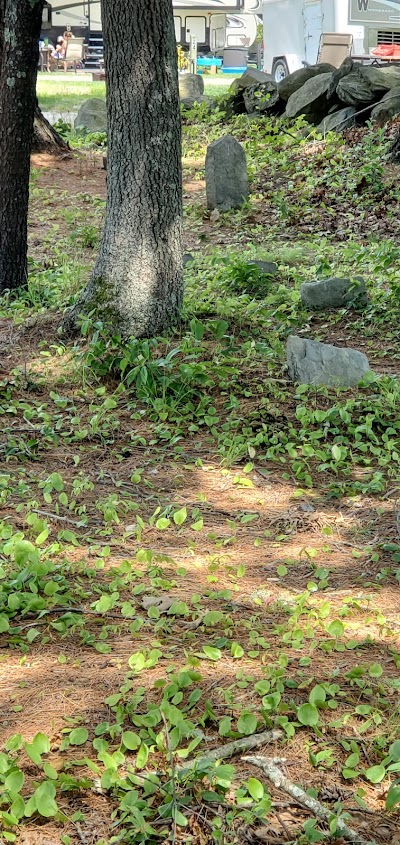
x,y
74,53
334,48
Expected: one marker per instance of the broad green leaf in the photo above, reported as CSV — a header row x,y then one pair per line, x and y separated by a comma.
x,y
131,740
394,751
281,570
39,745
14,781
4,623
375,774
50,771
180,516
212,617
308,714
237,651
180,819
255,788
225,726
348,774
353,760
142,756
163,523
335,628
317,695
393,797
78,736
212,653
137,661
375,670
247,724
336,452
44,799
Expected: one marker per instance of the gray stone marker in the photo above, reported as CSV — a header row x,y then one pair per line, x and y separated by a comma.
x,y
311,362
226,174
333,293
92,115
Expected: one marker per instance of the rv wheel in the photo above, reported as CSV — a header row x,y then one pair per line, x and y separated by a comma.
x,y
280,69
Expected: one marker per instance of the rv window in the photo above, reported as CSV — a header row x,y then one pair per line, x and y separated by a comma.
x,y
178,28
197,27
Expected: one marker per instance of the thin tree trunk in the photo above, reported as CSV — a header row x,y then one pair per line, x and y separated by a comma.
x,y
20,23
45,138
137,280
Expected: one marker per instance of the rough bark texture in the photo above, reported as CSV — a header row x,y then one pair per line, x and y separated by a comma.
x,y
45,138
20,24
137,280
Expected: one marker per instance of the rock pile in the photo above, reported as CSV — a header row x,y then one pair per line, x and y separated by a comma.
x,y
327,97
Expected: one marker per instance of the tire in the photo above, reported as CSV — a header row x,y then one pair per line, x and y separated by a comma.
x,y
280,70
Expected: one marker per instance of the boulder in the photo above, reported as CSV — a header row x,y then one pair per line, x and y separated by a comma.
x,y
337,121
290,84
333,293
92,115
226,174
311,362
365,85
388,107
260,98
342,71
267,267
250,77
191,85
189,102
310,100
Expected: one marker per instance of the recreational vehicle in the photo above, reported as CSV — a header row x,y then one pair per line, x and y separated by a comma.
x,y
214,23
292,29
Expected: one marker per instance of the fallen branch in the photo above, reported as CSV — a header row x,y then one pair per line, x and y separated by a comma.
x,y
229,750
282,782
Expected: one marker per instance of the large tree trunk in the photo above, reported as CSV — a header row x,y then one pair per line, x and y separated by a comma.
x,y
20,23
137,280
45,138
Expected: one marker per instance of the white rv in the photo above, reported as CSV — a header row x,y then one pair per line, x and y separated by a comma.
x,y
214,23
292,29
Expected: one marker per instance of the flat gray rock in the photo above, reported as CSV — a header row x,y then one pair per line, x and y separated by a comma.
x,y
191,85
310,100
267,267
333,293
311,362
260,98
388,107
226,174
250,77
338,121
92,115
290,84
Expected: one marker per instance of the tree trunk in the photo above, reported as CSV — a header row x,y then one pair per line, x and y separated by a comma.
x,y
136,284
45,138
20,23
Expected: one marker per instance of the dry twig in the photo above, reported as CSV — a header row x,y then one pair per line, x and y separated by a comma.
x,y
229,750
282,782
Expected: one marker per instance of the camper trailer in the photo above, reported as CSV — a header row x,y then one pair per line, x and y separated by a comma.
x,y
293,28
214,23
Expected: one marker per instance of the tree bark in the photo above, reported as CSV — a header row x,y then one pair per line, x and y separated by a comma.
x,y
137,279
20,23
45,138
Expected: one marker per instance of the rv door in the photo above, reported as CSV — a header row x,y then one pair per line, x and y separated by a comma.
x,y
312,15
217,32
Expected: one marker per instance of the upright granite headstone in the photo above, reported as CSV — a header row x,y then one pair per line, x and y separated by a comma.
x,y
226,174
